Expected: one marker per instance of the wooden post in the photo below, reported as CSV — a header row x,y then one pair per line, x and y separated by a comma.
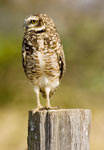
x,y
62,129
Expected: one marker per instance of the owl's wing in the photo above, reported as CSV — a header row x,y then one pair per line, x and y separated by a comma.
x,y
27,49
23,54
61,61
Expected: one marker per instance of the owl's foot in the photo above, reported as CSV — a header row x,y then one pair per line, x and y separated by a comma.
x,y
51,108
39,107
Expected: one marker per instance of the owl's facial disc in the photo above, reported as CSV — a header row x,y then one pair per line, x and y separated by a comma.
x,y
34,23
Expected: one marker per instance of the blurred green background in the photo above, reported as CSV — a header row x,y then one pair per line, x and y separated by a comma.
x,y
81,27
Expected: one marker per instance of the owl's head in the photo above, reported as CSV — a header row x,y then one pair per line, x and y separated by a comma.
x,y
34,23
38,23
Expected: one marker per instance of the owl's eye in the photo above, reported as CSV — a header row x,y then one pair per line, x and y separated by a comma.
x,y
34,21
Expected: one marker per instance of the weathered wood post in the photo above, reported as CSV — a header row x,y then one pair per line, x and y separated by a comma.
x,y
62,129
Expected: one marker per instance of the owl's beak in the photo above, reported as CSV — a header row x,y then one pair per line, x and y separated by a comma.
x,y
25,27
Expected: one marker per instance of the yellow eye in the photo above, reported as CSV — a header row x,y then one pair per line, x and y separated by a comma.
x,y
34,21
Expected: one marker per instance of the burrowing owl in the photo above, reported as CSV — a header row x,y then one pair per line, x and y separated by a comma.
x,y
43,56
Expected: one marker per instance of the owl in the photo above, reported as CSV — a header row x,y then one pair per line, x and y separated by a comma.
x,y
42,56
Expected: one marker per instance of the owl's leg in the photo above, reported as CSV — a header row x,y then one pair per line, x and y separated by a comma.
x,y
48,106
47,90
36,90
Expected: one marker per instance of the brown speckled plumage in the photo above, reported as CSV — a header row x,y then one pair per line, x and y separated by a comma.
x,y
42,53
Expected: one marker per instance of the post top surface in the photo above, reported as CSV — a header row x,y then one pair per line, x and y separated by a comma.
x,y
60,110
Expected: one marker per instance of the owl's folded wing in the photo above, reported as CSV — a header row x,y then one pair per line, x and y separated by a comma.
x,y
61,61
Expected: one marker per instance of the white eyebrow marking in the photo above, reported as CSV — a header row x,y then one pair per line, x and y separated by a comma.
x,y
32,18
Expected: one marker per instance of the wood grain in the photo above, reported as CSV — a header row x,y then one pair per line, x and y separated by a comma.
x,y
62,129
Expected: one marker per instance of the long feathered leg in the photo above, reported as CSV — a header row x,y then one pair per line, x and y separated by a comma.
x,y
47,90
37,91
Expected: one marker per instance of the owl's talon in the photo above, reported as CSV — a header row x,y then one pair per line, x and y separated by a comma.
x,y
40,107
51,108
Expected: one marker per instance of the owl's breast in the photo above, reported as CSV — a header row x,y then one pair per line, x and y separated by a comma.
x,y
41,63
47,63
45,71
